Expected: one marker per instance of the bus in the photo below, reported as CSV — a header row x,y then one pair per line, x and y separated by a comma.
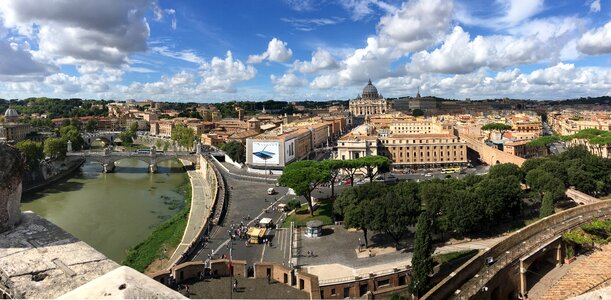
x,y
143,151
450,170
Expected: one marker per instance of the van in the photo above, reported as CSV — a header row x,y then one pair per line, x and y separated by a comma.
x,y
271,191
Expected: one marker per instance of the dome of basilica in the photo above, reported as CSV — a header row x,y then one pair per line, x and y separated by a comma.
x,y
370,91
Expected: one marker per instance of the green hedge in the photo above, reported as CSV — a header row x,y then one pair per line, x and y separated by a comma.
x,y
167,235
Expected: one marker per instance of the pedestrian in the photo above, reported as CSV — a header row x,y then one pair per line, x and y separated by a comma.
x,y
269,278
235,285
187,290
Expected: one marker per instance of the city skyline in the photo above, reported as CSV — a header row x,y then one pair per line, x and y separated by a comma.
x,y
304,50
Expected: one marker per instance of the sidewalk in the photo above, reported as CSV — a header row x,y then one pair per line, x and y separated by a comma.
x,y
202,199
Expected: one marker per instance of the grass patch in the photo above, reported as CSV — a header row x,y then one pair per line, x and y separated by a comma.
x,y
166,235
448,257
301,216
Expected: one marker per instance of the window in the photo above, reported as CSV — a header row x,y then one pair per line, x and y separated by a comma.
x,y
332,292
383,283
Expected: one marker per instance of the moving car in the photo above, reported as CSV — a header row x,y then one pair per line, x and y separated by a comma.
x,y
271,191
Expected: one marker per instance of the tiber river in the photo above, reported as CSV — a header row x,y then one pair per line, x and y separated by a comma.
x,y
115,211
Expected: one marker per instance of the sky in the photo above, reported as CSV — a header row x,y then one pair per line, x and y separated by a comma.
x,y
213,51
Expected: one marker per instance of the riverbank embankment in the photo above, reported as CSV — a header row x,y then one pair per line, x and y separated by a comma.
x,y
53,173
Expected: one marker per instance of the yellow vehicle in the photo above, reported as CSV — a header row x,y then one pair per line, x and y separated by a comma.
x,y
256,235
450,170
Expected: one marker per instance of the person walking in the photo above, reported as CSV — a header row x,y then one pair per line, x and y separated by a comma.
x,y
269,278
235,285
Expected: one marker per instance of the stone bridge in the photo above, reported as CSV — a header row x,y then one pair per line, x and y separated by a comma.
x,y
108,158
108,137
507,268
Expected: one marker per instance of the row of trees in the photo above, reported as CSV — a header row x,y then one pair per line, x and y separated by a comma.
x,y
127,137
306,175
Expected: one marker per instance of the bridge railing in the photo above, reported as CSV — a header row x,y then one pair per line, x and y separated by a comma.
x,y
513,247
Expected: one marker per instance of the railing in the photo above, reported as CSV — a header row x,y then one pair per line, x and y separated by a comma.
x,y
470,277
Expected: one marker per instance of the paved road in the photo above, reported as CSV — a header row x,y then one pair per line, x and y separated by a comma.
x,y
201,202
246,198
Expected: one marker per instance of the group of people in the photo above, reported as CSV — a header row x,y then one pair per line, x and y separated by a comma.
x,y
238,231
523,297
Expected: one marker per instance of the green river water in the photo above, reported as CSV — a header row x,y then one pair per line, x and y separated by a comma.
x,y
115,211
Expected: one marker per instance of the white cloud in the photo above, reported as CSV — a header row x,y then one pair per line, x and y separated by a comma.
x,y
300,5
221,74
288,83
416,25
17,63
595,6
507,13
596,41
311,24
277,51
102,31
186,55
321,60
359,9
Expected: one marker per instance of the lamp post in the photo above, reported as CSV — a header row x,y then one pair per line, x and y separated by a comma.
x,y
230,266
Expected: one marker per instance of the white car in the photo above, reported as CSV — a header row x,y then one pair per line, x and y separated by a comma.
x,y
427,175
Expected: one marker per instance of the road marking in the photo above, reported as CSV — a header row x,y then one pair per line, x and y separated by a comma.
x,y
263,252
248,224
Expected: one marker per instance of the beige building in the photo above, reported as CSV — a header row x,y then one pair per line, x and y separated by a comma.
x,y
417,144
14,132
523,150
369,103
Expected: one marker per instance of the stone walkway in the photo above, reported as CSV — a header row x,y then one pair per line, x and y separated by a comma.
x,y
591,272
202,199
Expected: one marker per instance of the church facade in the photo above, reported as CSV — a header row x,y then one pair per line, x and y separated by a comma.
x,y
369,102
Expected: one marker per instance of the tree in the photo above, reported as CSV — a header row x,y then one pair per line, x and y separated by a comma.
x,y
465,212
544,141
304,177
504,170
373,164
350,167
531,164
236,151
126,138
500,127
422,259
55,148
334,166
499,197
417,112
33,151
183,135
91,125
133,127
356,207
73,134
543,182
395,211
547,206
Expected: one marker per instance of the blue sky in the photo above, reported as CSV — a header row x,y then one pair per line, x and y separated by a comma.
x,y
210,51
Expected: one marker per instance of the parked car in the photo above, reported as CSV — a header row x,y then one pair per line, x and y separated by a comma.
x,y
347,181
271,191
391,179
427,175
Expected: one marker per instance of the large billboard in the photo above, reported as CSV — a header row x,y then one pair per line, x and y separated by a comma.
x,y
289,150
265,153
